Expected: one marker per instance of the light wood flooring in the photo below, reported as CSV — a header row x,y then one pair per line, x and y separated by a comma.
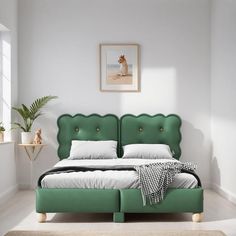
x,y
19,213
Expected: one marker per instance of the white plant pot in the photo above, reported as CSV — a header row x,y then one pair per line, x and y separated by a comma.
x,y
26,137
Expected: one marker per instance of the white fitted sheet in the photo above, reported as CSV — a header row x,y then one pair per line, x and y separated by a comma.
x,y
108,179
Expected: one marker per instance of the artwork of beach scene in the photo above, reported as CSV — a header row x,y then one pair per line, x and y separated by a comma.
x,y
119,67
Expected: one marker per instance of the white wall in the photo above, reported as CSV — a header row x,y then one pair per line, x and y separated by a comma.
x,y
8,183
8,18
223,96
58,55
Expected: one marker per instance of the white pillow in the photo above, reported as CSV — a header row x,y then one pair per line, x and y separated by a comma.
x,y
147,151
93,149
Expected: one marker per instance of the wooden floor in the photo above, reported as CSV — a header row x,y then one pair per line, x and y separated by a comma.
x,y
19,213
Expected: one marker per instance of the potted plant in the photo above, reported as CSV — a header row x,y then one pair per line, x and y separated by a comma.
x,y
29,115
2,129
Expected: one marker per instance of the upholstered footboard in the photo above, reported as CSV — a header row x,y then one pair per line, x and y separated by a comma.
x,y
175,201
76,200
117,202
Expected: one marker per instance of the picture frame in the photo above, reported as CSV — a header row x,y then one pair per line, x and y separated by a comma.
x,y
119,68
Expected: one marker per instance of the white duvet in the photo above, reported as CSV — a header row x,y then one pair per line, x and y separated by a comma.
x,y
108,179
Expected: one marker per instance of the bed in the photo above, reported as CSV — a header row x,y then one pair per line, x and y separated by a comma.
x,y
129,129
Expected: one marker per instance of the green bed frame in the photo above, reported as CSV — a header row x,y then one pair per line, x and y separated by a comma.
x,y
126,130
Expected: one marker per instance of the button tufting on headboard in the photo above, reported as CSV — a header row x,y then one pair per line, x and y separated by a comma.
x,y
161,129
76,129
129,130
82,127
157,129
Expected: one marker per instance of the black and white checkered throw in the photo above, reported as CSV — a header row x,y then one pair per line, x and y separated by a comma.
x,y
155,177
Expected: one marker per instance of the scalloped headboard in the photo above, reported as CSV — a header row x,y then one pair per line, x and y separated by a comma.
x,y
152,129
129,129
81,127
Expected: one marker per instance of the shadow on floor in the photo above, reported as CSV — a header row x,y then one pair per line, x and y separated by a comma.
x,y
129,217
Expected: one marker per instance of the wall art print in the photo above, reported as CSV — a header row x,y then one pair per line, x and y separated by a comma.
x,y
119,67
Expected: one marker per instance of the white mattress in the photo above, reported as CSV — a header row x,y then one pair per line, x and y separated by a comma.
x,y
108,179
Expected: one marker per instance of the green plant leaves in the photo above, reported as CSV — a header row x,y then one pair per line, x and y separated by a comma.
x,y
33,112
38,104
18,125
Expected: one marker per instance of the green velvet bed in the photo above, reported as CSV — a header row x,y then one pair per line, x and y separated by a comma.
x,y
128,129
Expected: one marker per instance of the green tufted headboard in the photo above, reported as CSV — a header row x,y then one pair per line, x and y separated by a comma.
x,y
81,127
129,129
152,129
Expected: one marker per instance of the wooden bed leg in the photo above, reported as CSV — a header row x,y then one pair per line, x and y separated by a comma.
x,y
42,217
197,217
119,217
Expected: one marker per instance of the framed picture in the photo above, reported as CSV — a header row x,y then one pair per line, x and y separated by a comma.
x,y
119,67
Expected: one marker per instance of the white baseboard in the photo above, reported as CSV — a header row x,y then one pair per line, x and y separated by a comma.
x,y
8,194
224,193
